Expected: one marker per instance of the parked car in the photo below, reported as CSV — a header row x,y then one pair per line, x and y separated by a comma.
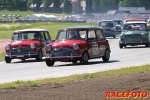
x,y
134,33
109,28
75,44
27,43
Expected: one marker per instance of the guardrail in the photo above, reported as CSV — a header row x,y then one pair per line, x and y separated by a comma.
x,y
22,21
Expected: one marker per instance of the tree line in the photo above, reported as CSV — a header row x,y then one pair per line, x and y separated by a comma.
x,y
92,6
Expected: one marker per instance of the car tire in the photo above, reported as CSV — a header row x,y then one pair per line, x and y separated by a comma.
x,y
106,56
75,61
85,58
120,46
39,56
8,60
49,62
125,46
114,36
147,44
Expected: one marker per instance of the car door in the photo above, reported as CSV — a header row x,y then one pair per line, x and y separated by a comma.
x,y
101,41
46,39
92,44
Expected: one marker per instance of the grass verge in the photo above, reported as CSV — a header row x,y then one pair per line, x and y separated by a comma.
x,y
6,29
2,56
60,80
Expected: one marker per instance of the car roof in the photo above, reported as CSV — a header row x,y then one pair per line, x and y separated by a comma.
x,y
23,30
136,22
81,27
134,19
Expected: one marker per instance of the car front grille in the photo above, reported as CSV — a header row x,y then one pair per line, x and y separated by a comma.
x,y
133,38
20,51
62,52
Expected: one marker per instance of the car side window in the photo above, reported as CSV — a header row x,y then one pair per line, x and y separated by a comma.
x,y
99,34
83,34
91,35
42,36
17,37
47,36
61,35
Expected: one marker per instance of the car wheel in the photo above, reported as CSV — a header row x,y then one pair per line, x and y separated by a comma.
x,y
114,36
147,44
7,59
39,56
85,57
106,56
49,62
120,46
125,46
75,61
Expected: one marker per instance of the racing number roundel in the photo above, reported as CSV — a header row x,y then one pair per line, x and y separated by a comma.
x,y
95,49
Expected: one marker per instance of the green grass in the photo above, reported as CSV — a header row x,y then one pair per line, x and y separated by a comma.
x,y
71,78
1,56
6,29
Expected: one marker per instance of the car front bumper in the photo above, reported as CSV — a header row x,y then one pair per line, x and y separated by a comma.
x,y
139,42
20,56
62,58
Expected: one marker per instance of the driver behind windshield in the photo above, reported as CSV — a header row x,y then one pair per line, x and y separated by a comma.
x,y
74,35
36,36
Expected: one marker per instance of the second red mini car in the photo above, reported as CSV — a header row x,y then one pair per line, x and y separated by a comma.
x,y
78,44
27,43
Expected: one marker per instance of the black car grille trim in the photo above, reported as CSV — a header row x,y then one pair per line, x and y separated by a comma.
x,y
62,52
133,38
20,51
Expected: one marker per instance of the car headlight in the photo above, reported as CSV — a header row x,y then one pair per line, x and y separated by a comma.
x,y
32,46
143,35
48,48
75,47
122,36
7,47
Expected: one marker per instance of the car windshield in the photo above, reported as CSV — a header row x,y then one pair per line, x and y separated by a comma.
x,y
71,35
26,36
135,26
106,24
118,22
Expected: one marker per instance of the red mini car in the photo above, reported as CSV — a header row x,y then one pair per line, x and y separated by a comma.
x,y
78,44
27,43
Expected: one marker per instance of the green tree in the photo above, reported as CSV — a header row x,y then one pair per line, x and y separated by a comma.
x,y
96,6
18,5
67,6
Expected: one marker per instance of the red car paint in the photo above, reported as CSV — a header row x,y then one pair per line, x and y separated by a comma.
x,y
91,43
20,46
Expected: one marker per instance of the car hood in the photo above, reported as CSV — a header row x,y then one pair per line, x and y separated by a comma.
x,y
23,43
67,43
133,32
